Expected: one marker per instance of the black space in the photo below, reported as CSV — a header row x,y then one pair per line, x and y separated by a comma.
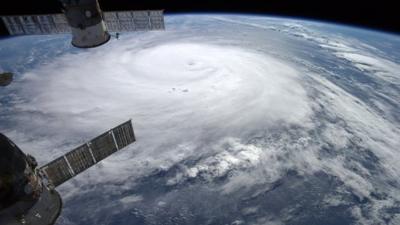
x,y
378,15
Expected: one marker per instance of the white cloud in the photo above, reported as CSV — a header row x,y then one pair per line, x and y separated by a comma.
x,y
131,199
80,95
231,155
336,135
383,68
363,56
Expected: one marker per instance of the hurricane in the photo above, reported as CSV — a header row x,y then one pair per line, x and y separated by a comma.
x,y
238,119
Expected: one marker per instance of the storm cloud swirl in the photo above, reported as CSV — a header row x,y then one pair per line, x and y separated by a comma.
x,y
221,121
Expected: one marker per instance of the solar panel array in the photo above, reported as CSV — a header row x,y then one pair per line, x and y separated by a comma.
x,y
36,24
120,21
78,160
116,21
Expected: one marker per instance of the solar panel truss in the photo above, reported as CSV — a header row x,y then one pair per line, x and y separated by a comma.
x,y
36,24
120,21
78,160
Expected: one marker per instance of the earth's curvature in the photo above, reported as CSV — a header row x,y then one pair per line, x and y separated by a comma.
x,y
239,119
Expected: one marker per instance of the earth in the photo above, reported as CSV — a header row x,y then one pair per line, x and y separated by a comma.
x,y
240,119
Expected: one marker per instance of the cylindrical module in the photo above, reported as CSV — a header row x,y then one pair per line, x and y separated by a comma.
x,y
86,21
23,197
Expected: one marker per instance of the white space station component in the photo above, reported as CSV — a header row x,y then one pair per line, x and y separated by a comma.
x,y
87,23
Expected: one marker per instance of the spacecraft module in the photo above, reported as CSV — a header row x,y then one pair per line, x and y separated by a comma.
x,y
27,192
5,79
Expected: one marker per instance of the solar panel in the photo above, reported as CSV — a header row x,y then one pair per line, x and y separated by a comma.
x,y
103,146
124,134
78,160
36,24
58,171
119,21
